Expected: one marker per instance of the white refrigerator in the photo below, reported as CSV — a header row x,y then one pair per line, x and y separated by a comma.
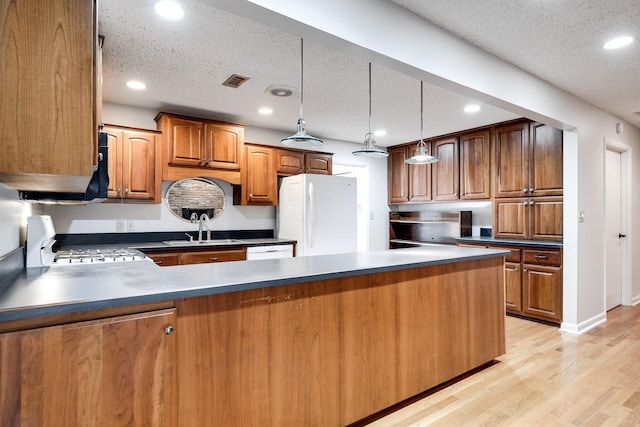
x,y
319,211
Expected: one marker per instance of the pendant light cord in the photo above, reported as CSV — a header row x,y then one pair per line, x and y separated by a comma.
x,y
421,113
301,73
369,97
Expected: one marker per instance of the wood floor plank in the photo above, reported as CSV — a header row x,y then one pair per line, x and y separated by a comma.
x,y
546,378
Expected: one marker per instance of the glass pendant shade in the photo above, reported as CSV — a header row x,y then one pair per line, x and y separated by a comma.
x,y
369,149
421,157
301,139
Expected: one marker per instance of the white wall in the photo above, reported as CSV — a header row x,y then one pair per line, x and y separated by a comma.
x,y
389,35
13,220
101,218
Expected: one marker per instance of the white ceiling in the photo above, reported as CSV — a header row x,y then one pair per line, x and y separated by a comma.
x,y
183,64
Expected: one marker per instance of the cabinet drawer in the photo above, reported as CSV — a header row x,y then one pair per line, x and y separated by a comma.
x,y
515,254
203,257
164,259
542,257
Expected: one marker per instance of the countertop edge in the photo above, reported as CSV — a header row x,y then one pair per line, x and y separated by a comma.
x,y
170,291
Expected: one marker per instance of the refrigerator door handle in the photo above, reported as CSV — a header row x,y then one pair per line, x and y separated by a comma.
x,y
310,216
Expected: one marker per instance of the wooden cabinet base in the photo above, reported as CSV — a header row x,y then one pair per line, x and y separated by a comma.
x,y
333,352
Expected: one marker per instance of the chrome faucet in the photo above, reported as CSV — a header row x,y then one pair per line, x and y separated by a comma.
x,y
204,222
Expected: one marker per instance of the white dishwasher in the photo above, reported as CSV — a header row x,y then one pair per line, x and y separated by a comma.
x,y
269,252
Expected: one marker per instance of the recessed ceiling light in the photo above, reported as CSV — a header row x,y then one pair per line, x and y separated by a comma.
x,y
265,110
618,42
169,9
380,132
471,108
132,84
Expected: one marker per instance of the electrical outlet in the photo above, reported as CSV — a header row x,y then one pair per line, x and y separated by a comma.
x,y
119,225
130,225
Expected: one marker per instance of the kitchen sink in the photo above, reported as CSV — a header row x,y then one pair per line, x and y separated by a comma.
x,y
202,242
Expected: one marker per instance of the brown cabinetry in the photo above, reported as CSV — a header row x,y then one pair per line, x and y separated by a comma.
x,y
117,371
197,256
445,172
475,165
533,281
194,146
289,162
528,159
535,218
407,183
134,164
263,165
49,77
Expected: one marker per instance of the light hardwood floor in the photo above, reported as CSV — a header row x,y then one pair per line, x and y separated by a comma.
x,y
547,378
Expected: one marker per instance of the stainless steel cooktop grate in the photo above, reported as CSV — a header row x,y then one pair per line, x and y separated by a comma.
x,y
93,256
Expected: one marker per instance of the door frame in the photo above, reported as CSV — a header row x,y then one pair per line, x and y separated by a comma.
x,y
625,217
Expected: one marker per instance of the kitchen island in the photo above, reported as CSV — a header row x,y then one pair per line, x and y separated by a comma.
x,y
324,340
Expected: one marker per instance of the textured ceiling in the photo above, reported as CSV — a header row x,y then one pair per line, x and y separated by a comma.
x,y
185,62
559,41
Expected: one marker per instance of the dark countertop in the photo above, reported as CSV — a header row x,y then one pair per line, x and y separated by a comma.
x,y
45,291
492,240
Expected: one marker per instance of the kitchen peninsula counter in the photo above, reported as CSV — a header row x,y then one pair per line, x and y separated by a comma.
x,y
325,340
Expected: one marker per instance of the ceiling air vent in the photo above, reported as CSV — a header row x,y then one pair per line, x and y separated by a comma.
x,y
235,81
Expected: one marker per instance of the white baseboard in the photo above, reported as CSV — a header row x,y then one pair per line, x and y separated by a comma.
x,y
585,326
635,300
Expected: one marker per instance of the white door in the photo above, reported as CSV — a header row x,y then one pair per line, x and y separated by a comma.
x,y
613,229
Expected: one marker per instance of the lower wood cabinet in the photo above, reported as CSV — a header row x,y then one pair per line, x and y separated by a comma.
x,y
117,371
533,281
197,256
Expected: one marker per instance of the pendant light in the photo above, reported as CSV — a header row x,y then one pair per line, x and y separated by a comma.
x,y
369,150
421,157
301,139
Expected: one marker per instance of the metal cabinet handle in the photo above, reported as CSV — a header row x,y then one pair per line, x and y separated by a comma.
x,y
158,262
531,190
214,259
168,330
531,202
540,256
620,235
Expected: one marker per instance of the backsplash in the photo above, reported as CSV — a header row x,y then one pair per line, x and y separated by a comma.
x,y
13,219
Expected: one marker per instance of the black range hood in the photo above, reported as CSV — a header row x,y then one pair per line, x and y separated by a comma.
x,y
96,190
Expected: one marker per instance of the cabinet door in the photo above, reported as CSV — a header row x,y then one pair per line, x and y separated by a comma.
x,y
513,287
110,372
186,144
114,162
317,163
545,164
219,255
542,291
419,180
48,94
546,218
289,162
261,178
475,166
511,218
512,160
139,165
222,146
398,176
445,172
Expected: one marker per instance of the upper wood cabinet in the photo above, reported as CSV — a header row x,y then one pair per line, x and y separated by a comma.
x,y
259,183
545,160
118,371
134,164
213,148
407,183
528,159
475,165
48,95
445,172
290,162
